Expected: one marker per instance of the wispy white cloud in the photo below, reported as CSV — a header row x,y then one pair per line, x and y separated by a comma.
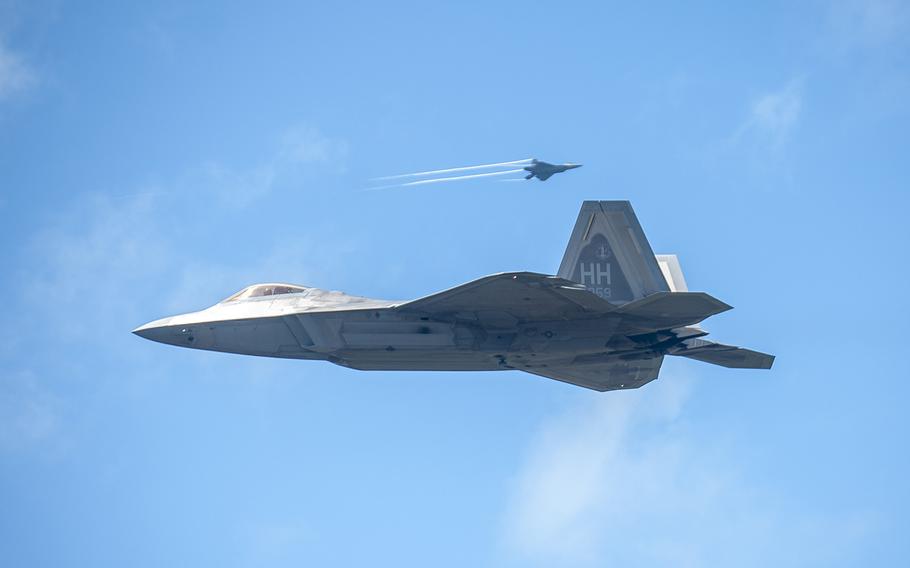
x,y
101,265
772,116
869,41
621,481
864,24
29,414
299,150
101,257
16,76
103,253
278,542
93,270
307,146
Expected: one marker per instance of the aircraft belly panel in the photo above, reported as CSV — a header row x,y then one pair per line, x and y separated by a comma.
x,y
401,340
410,360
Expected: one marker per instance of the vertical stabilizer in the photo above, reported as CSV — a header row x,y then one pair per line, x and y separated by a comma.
x,y
609,254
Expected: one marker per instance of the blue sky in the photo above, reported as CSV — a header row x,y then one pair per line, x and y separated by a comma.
x,y
157,157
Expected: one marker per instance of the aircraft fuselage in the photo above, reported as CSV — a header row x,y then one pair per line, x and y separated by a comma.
x,y
604,322
379,336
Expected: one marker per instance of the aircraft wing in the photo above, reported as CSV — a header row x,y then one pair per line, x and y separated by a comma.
x,y
724,355
521,295
606,376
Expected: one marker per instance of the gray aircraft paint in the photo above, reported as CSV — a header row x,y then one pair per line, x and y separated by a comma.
x,y
599,272
605,322
544,170
608,245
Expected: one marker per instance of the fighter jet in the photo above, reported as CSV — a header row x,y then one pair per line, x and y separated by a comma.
x,y
543,170
605,321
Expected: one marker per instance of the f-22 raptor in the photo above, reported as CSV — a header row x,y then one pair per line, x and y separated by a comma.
x,y
605,322
544,170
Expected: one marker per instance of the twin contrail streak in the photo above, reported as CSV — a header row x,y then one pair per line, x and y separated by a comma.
x,y
451,170
453,178
444,179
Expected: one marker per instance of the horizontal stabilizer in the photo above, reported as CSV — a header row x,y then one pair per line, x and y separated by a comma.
x,y
611,375
663,310
724,355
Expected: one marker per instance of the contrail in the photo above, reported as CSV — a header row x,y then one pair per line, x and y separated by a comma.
x,y
437,180
450,170
443,179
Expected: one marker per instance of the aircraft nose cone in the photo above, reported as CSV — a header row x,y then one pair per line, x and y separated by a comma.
x,y
154,330
178,331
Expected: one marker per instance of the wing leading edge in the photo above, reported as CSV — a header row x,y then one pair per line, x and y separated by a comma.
x,y
524,295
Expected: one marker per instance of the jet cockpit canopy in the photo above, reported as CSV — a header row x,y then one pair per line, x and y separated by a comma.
x,y
260,290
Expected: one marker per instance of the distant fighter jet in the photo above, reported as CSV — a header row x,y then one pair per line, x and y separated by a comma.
x,y
543,170
605,322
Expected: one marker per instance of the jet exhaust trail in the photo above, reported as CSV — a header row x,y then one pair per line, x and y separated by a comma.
x,y
451,170
534,168
471,176
444,179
